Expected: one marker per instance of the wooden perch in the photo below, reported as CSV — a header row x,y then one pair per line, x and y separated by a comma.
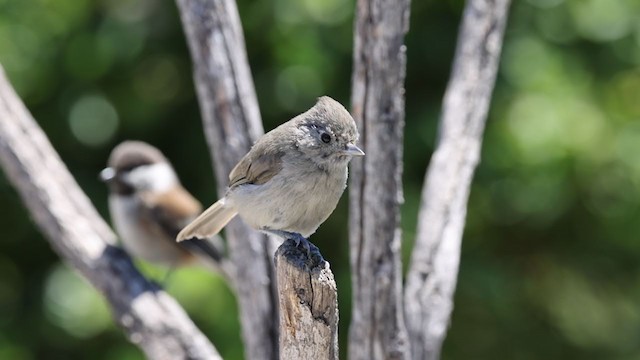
x,y
433,271
308,304
152,319
232,123
377,328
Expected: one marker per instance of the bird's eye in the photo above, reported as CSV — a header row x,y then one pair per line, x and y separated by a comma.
x,y
326,138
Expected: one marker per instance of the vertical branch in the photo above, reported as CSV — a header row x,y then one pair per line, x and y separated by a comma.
x,y
308,304
153,320
433,271
377,327
232,123
227,98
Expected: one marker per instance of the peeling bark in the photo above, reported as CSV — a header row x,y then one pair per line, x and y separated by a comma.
x,y
308,304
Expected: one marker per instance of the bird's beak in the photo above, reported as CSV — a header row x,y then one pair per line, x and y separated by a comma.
x,y
353,150
107,175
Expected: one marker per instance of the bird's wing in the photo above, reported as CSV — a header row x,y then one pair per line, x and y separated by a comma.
x,y
173,210
256,169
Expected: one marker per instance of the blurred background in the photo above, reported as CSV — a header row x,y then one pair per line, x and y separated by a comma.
x,y
551,253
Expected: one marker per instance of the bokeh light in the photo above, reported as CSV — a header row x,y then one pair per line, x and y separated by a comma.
x,y
74,305
93,120
603,20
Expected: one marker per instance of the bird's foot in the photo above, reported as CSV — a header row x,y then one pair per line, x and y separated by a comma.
x,y
301,240
296,237
312,251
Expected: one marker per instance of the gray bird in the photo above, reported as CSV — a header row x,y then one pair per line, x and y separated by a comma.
x,y
291,179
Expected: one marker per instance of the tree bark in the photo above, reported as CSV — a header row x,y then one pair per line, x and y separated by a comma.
x,y
308,304
232,123
152,319
433,271
377,326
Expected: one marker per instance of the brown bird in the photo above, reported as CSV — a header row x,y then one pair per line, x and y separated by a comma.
x,y
149,206
291,179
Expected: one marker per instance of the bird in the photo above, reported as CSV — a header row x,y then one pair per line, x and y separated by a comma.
x,y
149,206
292,178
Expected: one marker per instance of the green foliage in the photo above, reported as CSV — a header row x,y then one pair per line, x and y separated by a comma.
x,y
550,255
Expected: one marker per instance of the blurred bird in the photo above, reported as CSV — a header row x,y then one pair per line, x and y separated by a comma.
x,y
291,179
149,206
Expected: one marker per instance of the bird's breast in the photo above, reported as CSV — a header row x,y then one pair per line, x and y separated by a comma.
x,y
295,200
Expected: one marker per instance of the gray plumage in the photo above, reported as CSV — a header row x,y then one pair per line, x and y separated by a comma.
x,y
291,179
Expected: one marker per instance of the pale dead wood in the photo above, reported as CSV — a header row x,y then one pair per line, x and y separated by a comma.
x,y
377,328
152,319
433,271
232,123
308,304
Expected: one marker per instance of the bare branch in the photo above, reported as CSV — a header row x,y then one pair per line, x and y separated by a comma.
x,y
431,280
232,123
308,304
377,329
153,320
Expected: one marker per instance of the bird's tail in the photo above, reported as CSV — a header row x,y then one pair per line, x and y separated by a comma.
x,y
209,223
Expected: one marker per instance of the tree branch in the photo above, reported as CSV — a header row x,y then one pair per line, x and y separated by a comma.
x,y
377,327
433,271
308,304
232,124
152,319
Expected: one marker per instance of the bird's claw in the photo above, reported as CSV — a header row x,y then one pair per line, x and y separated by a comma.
x,y
300,242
